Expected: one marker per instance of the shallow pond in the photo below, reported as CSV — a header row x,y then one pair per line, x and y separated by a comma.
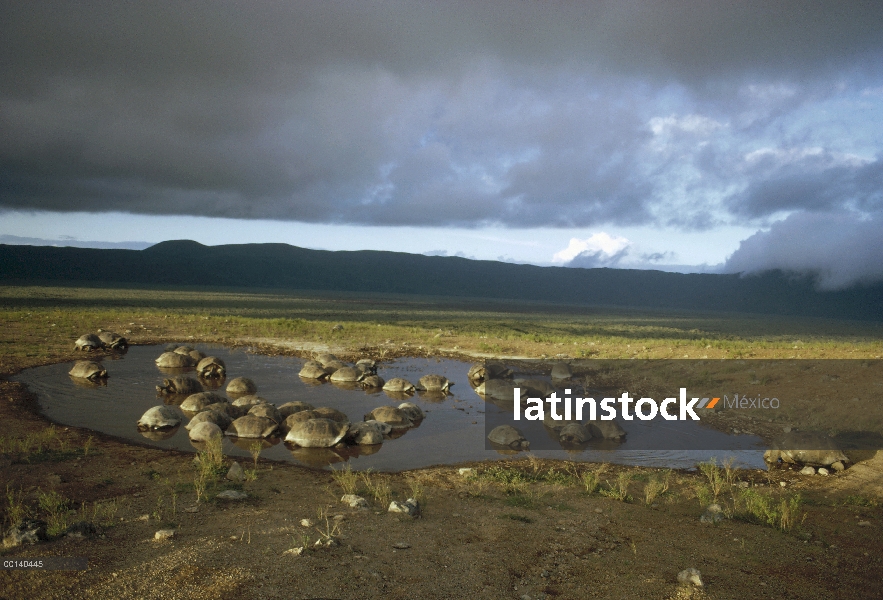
x,y
453,431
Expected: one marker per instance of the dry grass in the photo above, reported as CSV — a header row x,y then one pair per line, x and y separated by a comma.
x,y
657,485
378,486
346,478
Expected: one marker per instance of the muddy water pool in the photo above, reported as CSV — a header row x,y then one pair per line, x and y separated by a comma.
x,y
453,431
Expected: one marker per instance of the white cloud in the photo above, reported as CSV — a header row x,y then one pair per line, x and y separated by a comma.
x,y
695,124
598,243
839,248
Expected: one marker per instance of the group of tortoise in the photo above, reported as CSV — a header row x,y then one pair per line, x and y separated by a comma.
x,y
244,414
247,415
89,370
186,357
494,382
103,340
327,367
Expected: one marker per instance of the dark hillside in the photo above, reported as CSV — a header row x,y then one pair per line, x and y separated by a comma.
x,y
187,263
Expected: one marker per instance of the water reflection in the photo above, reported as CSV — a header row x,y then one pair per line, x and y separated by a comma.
x,y
158,435
453,430
249,444
88,383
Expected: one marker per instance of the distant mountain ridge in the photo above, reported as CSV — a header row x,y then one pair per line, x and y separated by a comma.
x,y
281,266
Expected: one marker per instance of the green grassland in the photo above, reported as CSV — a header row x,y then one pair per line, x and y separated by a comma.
x,y
40,321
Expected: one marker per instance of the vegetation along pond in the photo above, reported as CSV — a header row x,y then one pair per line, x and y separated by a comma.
x,y
453,431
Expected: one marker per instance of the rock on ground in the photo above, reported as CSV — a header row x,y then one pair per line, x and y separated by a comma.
x,y
354,501
235,473
29,531
690,576
409,507
233,495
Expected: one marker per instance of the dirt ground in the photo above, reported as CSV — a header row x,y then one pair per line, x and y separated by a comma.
x,y
476,536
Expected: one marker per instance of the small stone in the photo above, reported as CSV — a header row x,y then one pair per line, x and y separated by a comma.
x,y
82,529
690,576
823,471
233,495
713,514
235,473
409,507
295,551
192,509
466,472
742,484
807,471
401,546
326,543
782,484
786,429
354,501
164,534
338,517
307,522
864,523
545,574
26,532
143,518
838,466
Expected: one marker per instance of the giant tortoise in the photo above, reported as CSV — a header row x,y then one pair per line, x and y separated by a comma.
x,y
482,371
241,386
391,415
159,417
372,382
174,360
608,430
365,433
112,340
289,408
265,409
179,385
204,431
508,437
200,400
86,369
561,371
317,433
398,384
218,417
211,367
347,375
412,411
88,342
435,383
251,426
326,412
805,448
313,371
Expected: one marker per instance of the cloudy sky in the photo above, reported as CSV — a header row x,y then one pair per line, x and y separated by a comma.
x,y
736,136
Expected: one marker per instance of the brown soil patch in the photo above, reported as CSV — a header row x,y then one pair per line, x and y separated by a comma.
x,y
474,539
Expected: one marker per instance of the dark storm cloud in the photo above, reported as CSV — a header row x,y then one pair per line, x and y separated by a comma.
x,y
438,113
815,182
